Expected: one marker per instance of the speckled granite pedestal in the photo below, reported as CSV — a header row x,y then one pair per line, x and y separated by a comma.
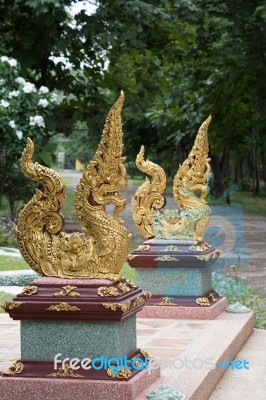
x,y
178,274
75,389
77,319
183,312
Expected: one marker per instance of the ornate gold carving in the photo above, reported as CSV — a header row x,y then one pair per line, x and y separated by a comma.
x,y
62,307
166,301
65,372
143,247
214,299
191,221
67,291
206,257
123,287
16,368
107,291
200,247
171,248
29,290
166,258
149,196
145,354
193,176
102,248
203,301
137,363
138,302
147,295
131,256
117,306
10,305
123,373
131,284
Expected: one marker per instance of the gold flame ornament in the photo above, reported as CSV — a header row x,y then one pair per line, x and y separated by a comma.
x,y
190,188
102,248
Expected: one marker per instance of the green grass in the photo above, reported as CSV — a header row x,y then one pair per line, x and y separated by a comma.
x,y
68,209
250,203
128,272
5,297
8,263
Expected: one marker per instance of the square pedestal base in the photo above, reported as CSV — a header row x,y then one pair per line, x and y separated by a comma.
x,y
175,281
42,340
183,312
66,389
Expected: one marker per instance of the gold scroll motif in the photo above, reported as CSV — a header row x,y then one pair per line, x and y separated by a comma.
x,y
107,291
143,247
122,373
138,302
203,301
214,299
117,306
200,247
29,290
145,354
67,291
171,248
102,248
123,287
62,307
16,368
131,284
147,295
166,301
65,372
166,258
10,305
190,188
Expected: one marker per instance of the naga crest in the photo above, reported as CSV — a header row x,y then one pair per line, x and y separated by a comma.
x,y
102,248
190,188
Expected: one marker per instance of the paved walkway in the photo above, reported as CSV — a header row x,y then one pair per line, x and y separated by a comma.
x,y
174,339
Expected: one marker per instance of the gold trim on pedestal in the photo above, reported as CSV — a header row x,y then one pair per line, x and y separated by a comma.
x,y
62,307
203,301
65,372
10,305
107,291
67,291
123,287
117,306
166,301
29,290
138,302
123,373
16,368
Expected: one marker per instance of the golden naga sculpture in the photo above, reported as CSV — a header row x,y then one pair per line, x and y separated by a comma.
x,y
102,248
190,188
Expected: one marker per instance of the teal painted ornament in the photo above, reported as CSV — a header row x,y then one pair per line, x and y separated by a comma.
x,y
165,392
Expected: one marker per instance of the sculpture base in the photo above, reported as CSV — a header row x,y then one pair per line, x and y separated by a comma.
x,y
177,281
183,311
42,340
70,389
95,368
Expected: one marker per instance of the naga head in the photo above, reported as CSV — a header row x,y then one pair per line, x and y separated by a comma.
x,y
190,188
101,249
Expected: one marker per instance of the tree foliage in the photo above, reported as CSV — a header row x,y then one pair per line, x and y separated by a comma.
x,y
178,62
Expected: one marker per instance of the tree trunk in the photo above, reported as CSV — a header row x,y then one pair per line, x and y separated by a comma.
x,y
218,164
263,161
255,166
